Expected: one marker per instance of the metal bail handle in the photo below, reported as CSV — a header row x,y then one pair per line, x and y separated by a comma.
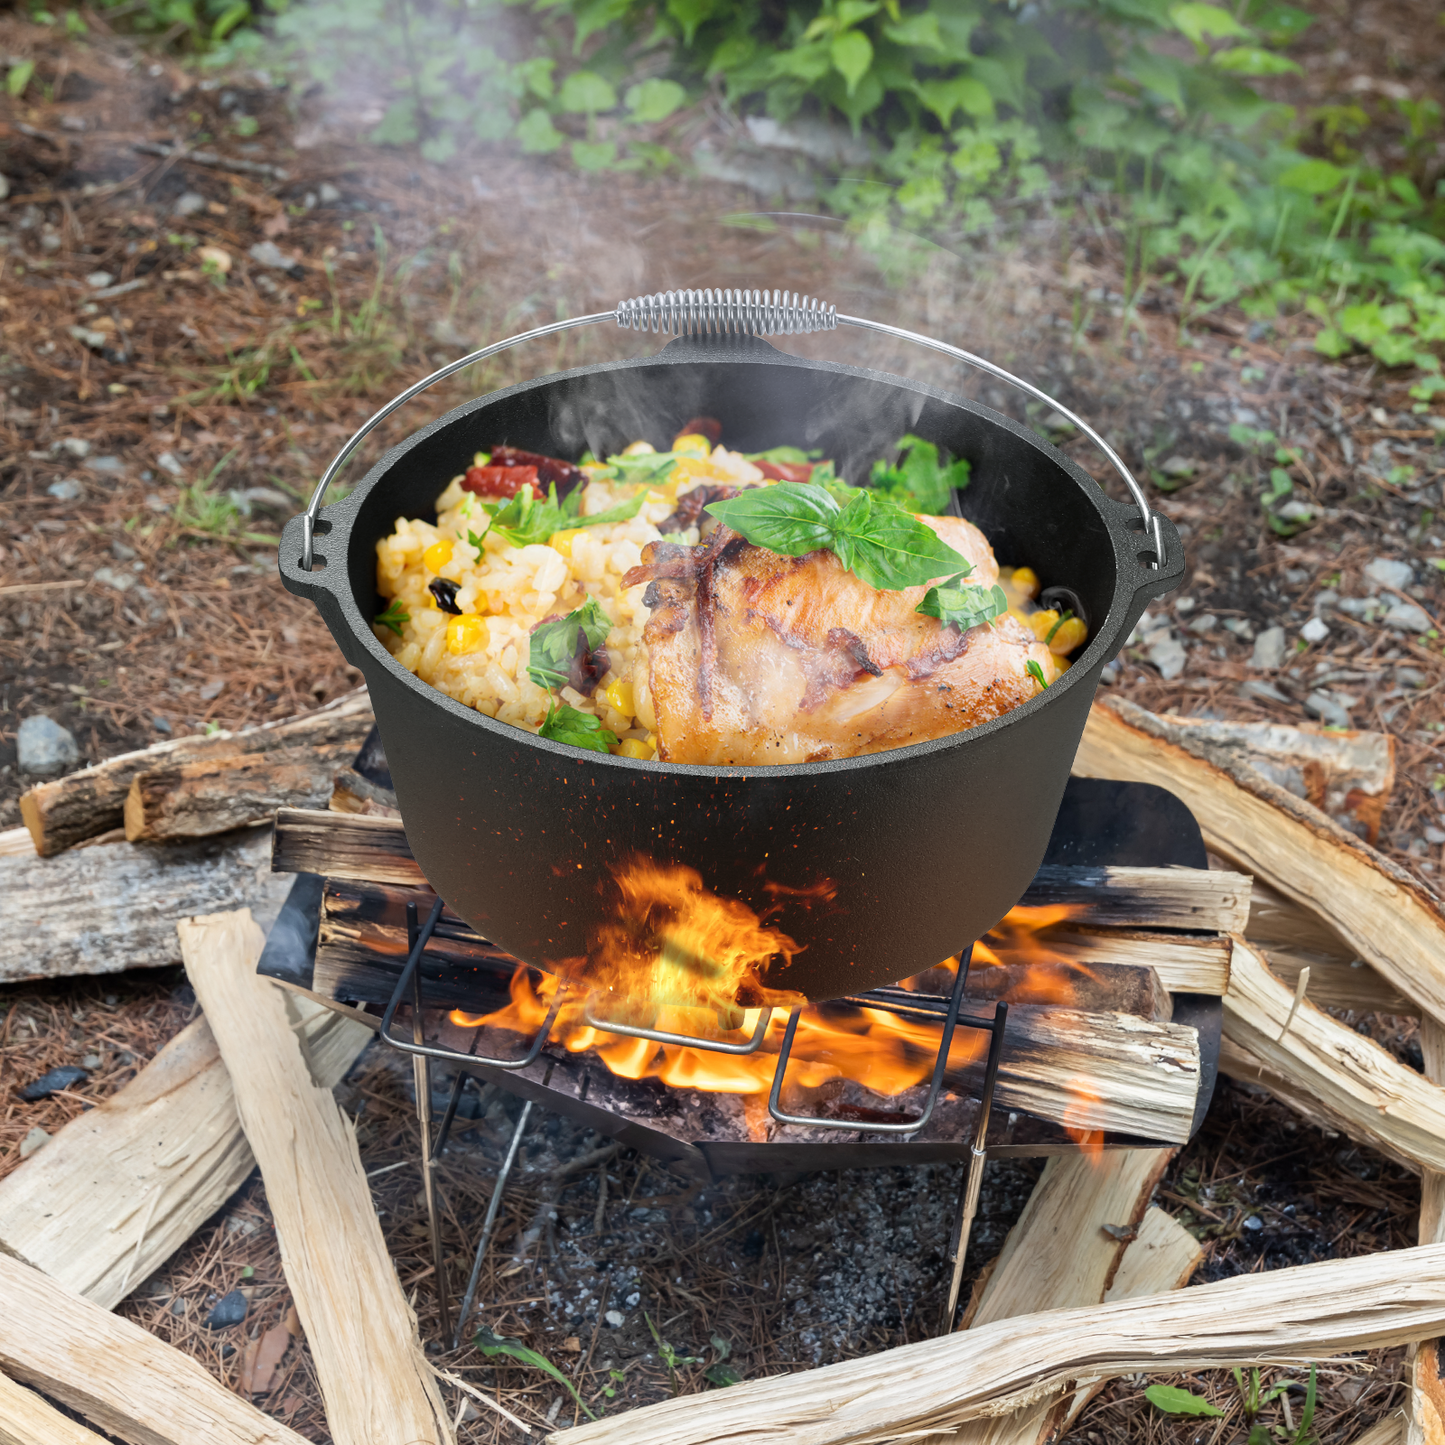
x,y
729,313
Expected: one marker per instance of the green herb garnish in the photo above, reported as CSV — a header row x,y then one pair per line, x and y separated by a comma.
x,y
554,645
492,1345
577,729
784,456
1036,672
920,483
878,542
1063,618
524,520
963,607
393,617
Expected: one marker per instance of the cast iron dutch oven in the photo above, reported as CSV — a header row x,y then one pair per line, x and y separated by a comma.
x,y
925,847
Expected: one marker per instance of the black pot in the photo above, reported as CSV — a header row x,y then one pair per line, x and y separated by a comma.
x,y
926,847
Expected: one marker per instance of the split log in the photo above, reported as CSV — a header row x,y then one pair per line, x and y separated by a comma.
x,y
1096,987
200,797
1292,1316
61,813
27,1419
122,1186
1336,984
344,845
1389,1431
1280,922
351,792
17,843
374,1378
120,1377
1425,1409
1060,1256
1352,1077
1184,962
108,908
1386,916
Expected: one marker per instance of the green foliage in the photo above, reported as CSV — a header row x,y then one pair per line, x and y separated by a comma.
x,y
1174,1401
493,1345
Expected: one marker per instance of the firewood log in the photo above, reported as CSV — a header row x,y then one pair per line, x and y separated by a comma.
x,y
375,1380
1425,1408
1287,1316
1385,915
120,1377
61,813
26,1419
1184,962
122,1186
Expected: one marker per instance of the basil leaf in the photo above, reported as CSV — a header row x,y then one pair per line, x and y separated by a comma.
x,y
620,513
554,644
578,729
788,456
879,543
920,483
1035,672
524,521
963,607
394,616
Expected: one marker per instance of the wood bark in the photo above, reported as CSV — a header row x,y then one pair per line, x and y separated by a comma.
x,y
27,1419
1286,1316
353,793
1425,1410
61,813
1059,1256
375,1381
1098,987
120,1377
1385,915
201,797
124,1185
1352,1076
107,908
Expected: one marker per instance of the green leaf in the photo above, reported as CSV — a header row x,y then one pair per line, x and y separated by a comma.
x,y
722,1375
228,20
690,14
393,617
1174,1401
852,54
579,730
1313,177
537,134
585,92
919,483
879,543
554,645
963,92
956,605
398,125
590,155
655,99
535,76
1252,60
1036,672
919,31
1197,21
788,456
19,77
1331,342
492,1345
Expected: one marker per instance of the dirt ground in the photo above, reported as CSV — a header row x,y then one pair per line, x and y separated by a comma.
x,y
154,439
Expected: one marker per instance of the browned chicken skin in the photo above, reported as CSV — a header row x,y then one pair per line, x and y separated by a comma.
x,y
756,658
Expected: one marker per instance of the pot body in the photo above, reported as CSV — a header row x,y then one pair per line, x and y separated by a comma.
x,y
877,867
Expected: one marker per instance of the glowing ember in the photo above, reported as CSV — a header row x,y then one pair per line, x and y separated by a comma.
x,y
683,960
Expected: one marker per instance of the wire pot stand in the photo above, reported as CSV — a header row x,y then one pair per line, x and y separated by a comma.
x,y
898,1001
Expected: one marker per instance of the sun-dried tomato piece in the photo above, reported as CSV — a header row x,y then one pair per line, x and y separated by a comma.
x,y
786,471
500,481
549,469
703,426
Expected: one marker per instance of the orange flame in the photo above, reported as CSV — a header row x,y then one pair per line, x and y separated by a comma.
x,y
681,959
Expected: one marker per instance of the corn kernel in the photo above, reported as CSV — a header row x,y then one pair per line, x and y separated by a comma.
x,y
1042,623
437,555
639,449
466,634
695,469
1025,580
1070,634
561,542
635,748
651,741
619,695
694,443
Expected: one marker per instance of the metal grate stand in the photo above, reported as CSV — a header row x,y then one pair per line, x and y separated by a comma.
x,y
409,987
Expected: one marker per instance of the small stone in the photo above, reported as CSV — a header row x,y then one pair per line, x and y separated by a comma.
x,y
67,489
37,1138
1387,572
1205,622
96,340
1326,599
44,748
217,257
168,463
1407,617
1262,691
1296,576
53,1082
213,689
1296,511
328,194
1434,834
1269,650
1179,467
90,1061
1056,421
99,280
1253,1222
1315,630
111,466
178,1306
1327,709
1168,655
229,1310
121,552
268,253
1409,677
189,204
110,577
1185,605
75,447
615,1318
1241,627
157,503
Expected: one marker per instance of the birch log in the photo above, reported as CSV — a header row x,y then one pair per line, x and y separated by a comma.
x,y
122,1186
62,813
375,1381
1385,915
1284,1317
1426,1407
120,1377
1352,1076
26,1419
